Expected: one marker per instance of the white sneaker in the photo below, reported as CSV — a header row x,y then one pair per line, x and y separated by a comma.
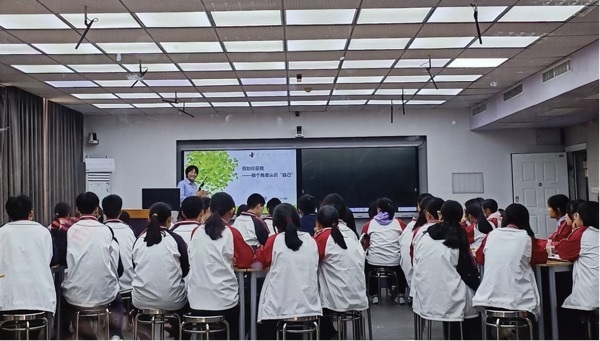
x,y
400,300
375,299
116,337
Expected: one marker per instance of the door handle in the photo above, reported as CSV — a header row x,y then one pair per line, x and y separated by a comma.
x,y
517,199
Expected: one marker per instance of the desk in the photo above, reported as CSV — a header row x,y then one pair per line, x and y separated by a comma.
x,y
253,275
59,272
553,267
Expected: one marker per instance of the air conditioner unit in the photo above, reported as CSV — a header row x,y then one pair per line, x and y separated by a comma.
x,y
98,172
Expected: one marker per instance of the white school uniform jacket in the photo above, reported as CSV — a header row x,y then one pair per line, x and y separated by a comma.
x,y
341,273
291,288
92,262
384,243
25,256
438,291
496,219
125,236
159,271
212,283
406,239
347,231
269,222
185,228
508,280
581,247
252,228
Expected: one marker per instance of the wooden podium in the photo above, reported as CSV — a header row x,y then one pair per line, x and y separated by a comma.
x,y
139,219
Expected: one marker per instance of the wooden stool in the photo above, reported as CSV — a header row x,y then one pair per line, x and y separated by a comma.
x,y
299,325
156,317
502,320
18,323
97,312
206,325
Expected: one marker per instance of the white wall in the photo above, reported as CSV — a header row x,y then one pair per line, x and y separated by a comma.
x,y
145,148
587,133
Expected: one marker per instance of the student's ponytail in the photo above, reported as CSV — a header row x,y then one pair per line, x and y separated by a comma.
x,y
159,215
483,225
287,220
456,236
220,205
422,219
337,236
61,210
292,241
327,216
518,215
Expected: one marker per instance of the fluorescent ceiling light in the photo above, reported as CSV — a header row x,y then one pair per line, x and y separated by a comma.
x,y
95,96
56,68
392,15
425,102
166,67
259,65
312,93
152,105
205,66
219,81
223,94
456,78
192,105
96,68
254,46
360,79
171,95
421,63
394,92
138,95
343,92
117,83
246,18
72,84
505,42
406,79
378,44
319,16
308,103
316,44
266,93
384,102
17,49
174,19
192,47
262,81
312,80
136,48
348,102
105,20
441,92
168,82
230,104
368,64
314,65
465,14
476,62
112,105
440,43
31,22
540,13
84,48
270,104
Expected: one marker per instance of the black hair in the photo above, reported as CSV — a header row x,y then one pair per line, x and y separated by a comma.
x,y
286,219
558,203
205,203
221,203
159,214
339,204
572,208
19,207
490,204
456,237
241,209
62,210
483,225
422,218
192,207
328,216
518,215
254,200
588,212
386,205
271,204
190,168
476,201
112,206
124,217
434,205
87,202
422,196
372,212
100,215
307,204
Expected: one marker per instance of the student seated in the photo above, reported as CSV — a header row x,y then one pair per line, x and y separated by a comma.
x,y
489,208
206,211
347,224
191,210
557,209
341,266
507,254
445,276
271,204
307,205
254,229
291,288
477,226
26,256
215,250
94,265
62,217
581,247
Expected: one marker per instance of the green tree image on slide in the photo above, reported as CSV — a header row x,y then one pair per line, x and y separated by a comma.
x,y
217,167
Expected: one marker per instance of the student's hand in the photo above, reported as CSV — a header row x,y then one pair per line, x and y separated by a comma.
x,y
202,193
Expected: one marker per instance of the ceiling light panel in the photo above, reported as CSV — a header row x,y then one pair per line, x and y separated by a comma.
x,y
311,93
420,63
316,45
440,43
152,105
262,81
205,66
17,49
223,94
441,92
368,64
378,44
53,68
312,80
97,68
395,92
174,19
84,48
246,18
540,13
166,67
384,102
406,79
113,106
505,42
476,62
31,22
308,102
270,104
170,95
259,65
192,105
360,79
456,78
192,47
72,84
212,82
344,92
138,95
118,83
266,93
392,15
254,46
95,96
136,48
168,82
319,16
465,14
105,20
314,65
425,102
230,104
348,102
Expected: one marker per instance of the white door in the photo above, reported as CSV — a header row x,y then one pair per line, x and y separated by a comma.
x,y
537,177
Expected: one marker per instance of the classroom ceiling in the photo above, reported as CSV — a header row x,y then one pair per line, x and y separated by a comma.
x,y
226,55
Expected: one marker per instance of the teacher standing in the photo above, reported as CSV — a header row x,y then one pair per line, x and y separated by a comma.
x,y
188,186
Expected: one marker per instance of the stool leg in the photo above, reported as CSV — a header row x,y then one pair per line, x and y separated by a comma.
x,y
517,329
462,334
47,325
26,330
152,326
107,324
181,325
497,329
284,330
429,330
415,331
530,324
135,325
227,327
208,331
77,325
161,327
316,330
370,323
339,327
